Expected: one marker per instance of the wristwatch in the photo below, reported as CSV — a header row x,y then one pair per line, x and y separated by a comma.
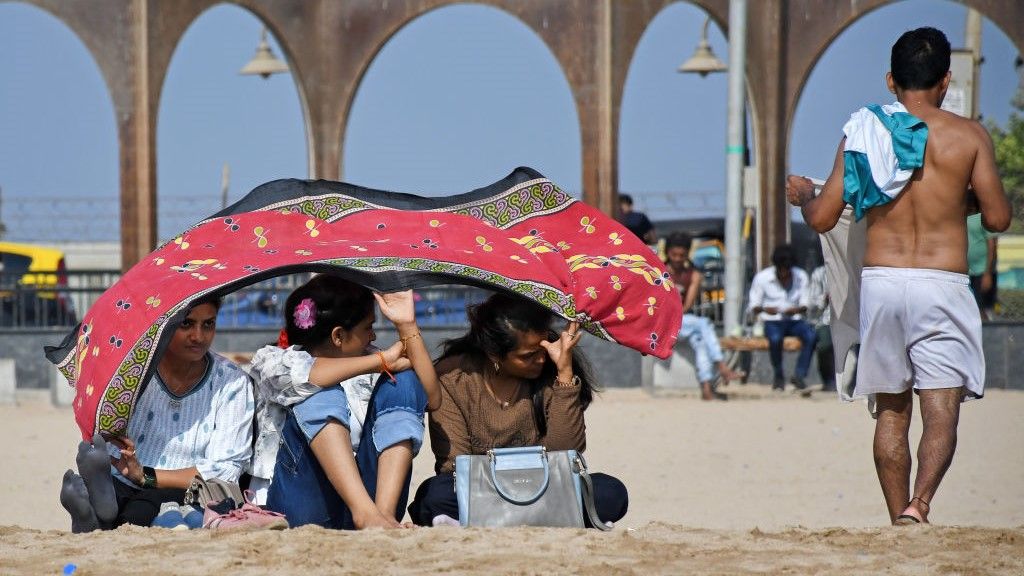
x,y
148,477
573,382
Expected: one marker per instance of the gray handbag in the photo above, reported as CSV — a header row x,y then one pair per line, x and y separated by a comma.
x,y
526,486
202,492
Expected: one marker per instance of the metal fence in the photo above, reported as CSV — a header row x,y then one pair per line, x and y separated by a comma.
x,y
1009,305
259,305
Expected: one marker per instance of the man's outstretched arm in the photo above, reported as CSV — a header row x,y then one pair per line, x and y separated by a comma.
x,y
823,211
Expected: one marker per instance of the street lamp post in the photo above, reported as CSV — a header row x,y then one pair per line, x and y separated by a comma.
x,y
704,62
735,152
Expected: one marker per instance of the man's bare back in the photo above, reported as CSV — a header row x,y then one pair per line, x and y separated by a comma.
x,y
926,225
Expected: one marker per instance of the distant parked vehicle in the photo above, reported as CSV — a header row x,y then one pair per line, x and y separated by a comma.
x,y
252,309
33,286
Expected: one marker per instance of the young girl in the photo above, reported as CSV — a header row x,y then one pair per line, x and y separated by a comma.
x,y
321,400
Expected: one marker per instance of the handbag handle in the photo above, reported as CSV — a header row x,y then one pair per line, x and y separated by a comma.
x,y
493,455
587,486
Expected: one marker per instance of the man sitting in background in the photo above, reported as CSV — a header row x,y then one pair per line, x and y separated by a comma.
x,y
779,296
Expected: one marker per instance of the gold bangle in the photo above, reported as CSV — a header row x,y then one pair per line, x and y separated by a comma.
x,y
575,381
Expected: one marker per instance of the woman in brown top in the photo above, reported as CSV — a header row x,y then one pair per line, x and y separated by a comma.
x,y
510,382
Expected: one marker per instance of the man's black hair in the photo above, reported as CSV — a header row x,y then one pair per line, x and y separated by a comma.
x,y
783,256
920,59
626,198
678,240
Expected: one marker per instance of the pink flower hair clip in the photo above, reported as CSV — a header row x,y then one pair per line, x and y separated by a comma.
x,y
305,314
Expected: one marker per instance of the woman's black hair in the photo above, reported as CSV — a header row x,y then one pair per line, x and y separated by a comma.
x,y
334,302
494,329
216,301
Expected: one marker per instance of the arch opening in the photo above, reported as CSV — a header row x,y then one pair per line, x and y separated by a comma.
x,y
213,120
458,97
672,125
55,106
851,74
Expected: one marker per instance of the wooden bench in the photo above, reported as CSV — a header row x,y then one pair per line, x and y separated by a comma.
x,y
757,343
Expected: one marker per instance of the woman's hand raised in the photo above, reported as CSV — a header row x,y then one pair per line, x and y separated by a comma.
x,y
409,351
398,307
560,351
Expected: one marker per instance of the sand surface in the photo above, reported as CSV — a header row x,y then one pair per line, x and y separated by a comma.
x,y
760,484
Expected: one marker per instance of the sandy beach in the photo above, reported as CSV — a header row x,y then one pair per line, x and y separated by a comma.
x,y
760,484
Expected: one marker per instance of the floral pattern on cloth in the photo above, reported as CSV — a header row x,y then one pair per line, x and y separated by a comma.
x,y
523,235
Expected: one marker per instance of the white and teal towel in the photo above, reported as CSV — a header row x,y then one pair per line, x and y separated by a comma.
x,y
884,144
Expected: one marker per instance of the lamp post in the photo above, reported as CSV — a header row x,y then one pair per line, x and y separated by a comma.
x,y
704,62
264,63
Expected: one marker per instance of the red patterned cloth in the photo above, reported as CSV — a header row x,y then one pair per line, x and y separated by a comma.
x,y
522,235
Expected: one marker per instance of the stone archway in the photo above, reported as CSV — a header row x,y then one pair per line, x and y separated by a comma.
x,y
329,44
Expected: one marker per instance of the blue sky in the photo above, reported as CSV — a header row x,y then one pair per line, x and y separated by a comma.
x,y
458,98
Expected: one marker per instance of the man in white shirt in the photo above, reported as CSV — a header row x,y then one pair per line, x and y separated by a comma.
x,y
779,296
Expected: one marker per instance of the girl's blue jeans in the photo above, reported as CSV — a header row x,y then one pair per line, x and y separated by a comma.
x,y
300,489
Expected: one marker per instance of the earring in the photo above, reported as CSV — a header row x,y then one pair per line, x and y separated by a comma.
x,y
497,368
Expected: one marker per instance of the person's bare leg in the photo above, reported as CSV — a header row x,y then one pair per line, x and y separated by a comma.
x,y
728,374
892,449
332,447
393,467
708,392
940,414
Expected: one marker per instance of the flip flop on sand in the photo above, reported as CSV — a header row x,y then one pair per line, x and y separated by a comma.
x,y
906,520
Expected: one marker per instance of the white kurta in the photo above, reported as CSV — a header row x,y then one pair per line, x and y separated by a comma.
x,y
210,427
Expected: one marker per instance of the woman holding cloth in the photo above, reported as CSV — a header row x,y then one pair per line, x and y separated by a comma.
x,y
509,382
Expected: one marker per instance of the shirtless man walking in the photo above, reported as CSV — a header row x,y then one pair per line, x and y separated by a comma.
x,y
920,329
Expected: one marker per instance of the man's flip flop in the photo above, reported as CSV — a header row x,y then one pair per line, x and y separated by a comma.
x,y
906,520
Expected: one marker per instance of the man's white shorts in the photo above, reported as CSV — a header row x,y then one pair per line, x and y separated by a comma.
x,y
920,328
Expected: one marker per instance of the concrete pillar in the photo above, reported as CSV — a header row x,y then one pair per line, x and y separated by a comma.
x,y
61,393
8,382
